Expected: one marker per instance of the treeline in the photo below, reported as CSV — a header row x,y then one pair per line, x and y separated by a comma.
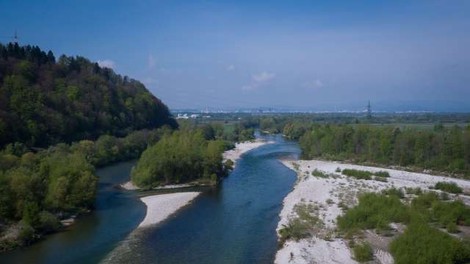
x,y
442,149
39,189
44,101
234,132
185,156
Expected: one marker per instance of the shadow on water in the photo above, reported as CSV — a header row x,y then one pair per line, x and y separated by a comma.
x,y
235,223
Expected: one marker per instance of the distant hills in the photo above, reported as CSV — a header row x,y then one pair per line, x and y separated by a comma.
x,y
44,100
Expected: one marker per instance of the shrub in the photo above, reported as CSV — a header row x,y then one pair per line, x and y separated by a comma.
x,y
373,211
48,222
384,174
424,201
394,191
444,196
296,229
452,228
319,173
415,191
358,174
446,213
229,164
451,187
338,169
26,234
301,226
363,252
421,243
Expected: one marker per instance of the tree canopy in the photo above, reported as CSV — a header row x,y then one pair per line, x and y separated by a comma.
x,y
441,149
44,101
183,156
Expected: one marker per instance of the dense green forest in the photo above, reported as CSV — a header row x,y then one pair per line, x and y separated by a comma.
x,y
232,130
439,142
184,156
59,120
441,149
45,101
192,154
39,189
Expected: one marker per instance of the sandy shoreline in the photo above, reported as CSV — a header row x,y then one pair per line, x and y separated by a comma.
x,y
160,207
327,193
242,148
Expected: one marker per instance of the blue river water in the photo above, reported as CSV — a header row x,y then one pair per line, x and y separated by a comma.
x,y
116,214
234,223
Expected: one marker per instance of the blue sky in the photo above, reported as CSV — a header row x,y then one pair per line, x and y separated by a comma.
x,y
321,55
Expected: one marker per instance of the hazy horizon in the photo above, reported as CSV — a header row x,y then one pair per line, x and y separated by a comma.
x,y
322,55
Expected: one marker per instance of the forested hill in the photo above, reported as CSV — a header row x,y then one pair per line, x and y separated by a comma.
x,y
44,101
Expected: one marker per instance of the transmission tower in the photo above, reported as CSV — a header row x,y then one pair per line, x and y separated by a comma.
x,y
15,38
369,111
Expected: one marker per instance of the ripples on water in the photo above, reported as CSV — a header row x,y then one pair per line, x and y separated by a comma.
x,y
234,223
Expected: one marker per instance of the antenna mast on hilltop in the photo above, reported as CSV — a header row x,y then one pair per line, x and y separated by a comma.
x,y
15,38
12,39
369,111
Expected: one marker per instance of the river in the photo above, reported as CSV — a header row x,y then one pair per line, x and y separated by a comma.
x,y
234,223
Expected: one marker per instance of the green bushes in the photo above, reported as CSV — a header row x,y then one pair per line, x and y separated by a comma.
x,y
295,229
358,174
448,214
451,187
363,252
415,191
373,211
48,222
367,175
383,174
423,244
319,173
394,191
301,226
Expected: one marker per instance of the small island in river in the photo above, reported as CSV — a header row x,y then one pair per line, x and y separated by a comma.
x,y
161,206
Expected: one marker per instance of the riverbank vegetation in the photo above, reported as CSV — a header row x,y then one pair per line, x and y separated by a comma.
x,y
441,149
59,119
183,156
305,224
451,187
429,222
415,141
38,189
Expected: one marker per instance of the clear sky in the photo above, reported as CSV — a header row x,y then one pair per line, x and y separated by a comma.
x,y
321,55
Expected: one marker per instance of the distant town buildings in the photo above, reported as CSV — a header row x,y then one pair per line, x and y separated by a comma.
x,y
191,116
